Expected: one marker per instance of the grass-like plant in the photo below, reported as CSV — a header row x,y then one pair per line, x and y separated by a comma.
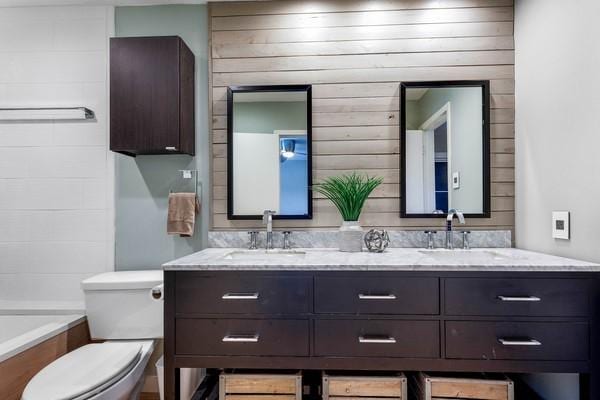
x,y
348,192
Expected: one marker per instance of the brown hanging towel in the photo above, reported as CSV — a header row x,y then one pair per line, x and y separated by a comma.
x,y
181,218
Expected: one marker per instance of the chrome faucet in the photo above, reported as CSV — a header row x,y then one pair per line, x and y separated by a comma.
x,y
430,239
449,232
286,240
268,221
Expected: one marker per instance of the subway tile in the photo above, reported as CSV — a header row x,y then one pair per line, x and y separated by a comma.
x,y
48,67
68,162
65,13
53,194
69,225
43,94
67,257
12,194
14,257
15,162
25,135
80,35
79,67
95,194
15,226
26,35
42,287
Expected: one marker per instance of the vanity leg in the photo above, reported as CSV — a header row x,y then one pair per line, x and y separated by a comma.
x,y
584,387
589,384
171,373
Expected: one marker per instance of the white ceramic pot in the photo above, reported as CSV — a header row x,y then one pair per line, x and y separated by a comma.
x,y
351,237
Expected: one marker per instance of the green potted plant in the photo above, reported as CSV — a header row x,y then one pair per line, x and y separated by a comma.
x,y
349,193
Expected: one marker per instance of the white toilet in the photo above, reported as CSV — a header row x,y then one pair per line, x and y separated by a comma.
x,y
121,310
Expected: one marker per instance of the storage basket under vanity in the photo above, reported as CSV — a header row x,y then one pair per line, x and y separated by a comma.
x,y
439,387
259,386
348,387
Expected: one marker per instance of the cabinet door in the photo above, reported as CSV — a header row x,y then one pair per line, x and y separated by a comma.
x,y
144,101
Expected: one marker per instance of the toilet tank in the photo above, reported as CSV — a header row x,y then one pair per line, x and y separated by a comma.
x,y
119,305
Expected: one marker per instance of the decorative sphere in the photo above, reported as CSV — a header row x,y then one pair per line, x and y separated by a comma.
x,y
377,240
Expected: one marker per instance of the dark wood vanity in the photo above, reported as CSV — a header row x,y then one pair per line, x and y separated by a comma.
x,y
510,322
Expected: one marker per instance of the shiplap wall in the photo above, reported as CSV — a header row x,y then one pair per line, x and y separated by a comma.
x,y
355,53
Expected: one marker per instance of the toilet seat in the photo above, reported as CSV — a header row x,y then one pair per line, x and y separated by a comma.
x,y
85,372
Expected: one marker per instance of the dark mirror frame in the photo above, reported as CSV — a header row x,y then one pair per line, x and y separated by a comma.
x,y
485,85
231,90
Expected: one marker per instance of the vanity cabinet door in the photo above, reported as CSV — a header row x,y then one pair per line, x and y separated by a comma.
x,y
376,295
377,338
553,341
242,294
517,297
242,337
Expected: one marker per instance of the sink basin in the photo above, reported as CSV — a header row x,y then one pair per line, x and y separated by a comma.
x,y
467,255
264,254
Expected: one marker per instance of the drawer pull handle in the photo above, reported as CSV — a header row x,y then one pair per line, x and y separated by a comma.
x,y
377,339
241,338
377,296
519,298
240,296
514,342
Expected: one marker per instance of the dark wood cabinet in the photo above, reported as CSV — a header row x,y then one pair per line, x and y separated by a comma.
x,y
151,96
457,321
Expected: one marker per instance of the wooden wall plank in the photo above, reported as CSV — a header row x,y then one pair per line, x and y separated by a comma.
x,y
360,75
422,45
355,54
383,32
371,89
300,7
370,104
362,18
365,61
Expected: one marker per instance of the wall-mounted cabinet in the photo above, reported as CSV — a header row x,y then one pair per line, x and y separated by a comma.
x,y
151,96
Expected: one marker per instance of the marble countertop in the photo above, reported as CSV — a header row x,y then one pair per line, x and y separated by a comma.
x,y
393,259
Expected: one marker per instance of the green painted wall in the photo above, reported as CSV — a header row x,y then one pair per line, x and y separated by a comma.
x,y
266,117
142,183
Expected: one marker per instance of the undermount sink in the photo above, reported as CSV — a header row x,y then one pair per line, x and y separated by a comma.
x,y
264,254
463,254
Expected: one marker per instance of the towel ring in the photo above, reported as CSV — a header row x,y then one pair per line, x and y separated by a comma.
x,y
187,175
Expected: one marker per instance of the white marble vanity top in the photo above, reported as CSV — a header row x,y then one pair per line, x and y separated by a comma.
x,y
393,259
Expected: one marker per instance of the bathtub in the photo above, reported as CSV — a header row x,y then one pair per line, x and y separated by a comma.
x,y
22,332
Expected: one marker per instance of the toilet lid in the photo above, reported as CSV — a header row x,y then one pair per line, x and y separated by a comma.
x,y
84,372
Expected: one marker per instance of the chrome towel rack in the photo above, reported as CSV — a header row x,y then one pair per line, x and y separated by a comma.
x,y
46,113
187,175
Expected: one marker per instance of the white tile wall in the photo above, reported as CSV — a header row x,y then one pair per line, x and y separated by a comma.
x,y
56,179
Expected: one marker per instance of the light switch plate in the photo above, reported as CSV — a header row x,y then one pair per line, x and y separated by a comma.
x,y
456,180
561,225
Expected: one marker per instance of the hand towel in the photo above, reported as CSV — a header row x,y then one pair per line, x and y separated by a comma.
x,y
181,218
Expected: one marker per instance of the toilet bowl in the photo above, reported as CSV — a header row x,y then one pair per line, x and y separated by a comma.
x,y
121,310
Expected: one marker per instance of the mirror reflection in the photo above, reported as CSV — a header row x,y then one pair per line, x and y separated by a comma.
x,y
445,152
269,152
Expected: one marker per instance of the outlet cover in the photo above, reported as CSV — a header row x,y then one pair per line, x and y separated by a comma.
x,y
561,225
456,180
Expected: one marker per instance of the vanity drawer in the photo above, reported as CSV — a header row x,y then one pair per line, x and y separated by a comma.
x,y
242,294
376,295
517,297
241,337
552,341
377,338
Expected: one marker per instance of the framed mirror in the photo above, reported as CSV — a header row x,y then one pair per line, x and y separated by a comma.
x,y
445,140
269,151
